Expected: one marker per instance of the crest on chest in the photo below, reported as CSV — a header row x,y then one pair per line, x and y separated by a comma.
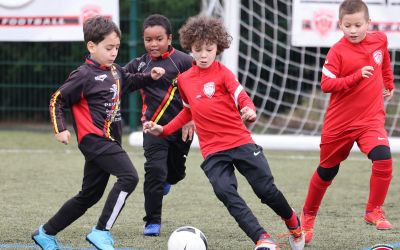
x,y
209,89
377,55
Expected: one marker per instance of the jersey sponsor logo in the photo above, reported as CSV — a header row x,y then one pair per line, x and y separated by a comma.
x,y
209,89
377,55
100,77
114,90
381,138
141,65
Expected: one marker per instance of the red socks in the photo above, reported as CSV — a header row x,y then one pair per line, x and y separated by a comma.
x,y
316,192
292,222
379,183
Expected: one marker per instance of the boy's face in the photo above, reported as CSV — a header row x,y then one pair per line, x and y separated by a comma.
x,y
105,51
204,54
156,40
354,26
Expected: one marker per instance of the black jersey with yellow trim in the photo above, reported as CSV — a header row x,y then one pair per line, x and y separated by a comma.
x,y
93,93
161,99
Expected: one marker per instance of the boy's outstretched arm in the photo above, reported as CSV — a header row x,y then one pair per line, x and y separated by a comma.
x,y
157,73
248,114
188,131
152,128
63,137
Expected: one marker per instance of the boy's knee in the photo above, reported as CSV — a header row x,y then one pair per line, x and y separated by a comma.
x,y
327,174
129,183
380,152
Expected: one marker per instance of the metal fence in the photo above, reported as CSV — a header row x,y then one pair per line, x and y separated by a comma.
x,y
30,72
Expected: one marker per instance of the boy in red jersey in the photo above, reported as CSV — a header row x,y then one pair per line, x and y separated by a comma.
x,y
358,75
93,92
211,97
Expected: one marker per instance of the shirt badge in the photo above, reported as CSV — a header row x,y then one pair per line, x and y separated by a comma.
x,y
114,90
141,65
209,89
100,77
377,55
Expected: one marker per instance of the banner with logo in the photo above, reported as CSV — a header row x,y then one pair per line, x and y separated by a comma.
x,y
50,20
315,22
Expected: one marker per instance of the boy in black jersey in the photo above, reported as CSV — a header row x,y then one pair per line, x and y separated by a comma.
x,y
93,92
165,157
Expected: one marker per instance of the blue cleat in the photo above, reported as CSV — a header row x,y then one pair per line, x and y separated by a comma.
x,y
166,188
152,230
45,241
100,239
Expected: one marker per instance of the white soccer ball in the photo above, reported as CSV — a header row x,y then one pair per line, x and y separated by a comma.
x,y
187,238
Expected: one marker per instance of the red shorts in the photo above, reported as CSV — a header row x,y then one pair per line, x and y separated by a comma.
x,y
335,149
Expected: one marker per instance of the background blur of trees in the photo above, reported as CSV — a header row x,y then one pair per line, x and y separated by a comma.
x,y
31,71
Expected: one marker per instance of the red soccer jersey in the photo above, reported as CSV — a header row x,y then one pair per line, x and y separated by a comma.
x,y
356,102
211,97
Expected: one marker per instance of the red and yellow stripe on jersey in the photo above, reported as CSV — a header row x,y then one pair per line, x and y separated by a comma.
x,y
108,121
53,117
165,102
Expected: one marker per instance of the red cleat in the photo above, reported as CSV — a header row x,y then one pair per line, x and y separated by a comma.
x,y
377,218
307,225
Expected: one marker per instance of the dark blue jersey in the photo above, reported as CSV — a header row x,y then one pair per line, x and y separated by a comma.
x,y
161,99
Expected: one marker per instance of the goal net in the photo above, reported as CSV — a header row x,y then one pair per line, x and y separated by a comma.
x,y
282,80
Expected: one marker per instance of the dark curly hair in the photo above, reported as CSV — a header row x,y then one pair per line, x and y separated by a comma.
x,y
204,29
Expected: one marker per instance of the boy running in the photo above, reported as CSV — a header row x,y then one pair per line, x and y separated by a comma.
x,y
356,72
93,92
211,97
166,156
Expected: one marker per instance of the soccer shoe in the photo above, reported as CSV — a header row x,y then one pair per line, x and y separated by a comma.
x,y
166,188
45,241
100,239
266,244
307,226
152,230
296,238
377,218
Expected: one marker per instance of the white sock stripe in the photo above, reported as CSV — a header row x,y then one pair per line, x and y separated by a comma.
x,y
117,208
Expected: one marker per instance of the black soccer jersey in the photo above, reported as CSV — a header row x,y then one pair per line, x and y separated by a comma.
x,y
161,100
93,93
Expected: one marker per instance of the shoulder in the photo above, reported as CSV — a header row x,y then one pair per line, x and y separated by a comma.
x,y
135,64
83,71
377,35
222,69
181,56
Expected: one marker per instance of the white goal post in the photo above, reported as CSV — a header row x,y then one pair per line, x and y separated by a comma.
x,y
281,79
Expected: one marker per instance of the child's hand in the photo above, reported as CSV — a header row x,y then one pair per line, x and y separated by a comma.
x,y
188,131
388,94
366,71
157,73
248,114
63,137
152,128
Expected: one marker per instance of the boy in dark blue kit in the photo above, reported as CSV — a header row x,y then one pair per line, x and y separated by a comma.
x,y
165,157
93,92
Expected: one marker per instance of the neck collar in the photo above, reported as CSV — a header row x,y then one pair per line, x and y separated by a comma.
x,y
90,61
165,54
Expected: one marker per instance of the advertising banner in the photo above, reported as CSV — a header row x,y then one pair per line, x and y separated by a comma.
x,y
315,22
50,20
